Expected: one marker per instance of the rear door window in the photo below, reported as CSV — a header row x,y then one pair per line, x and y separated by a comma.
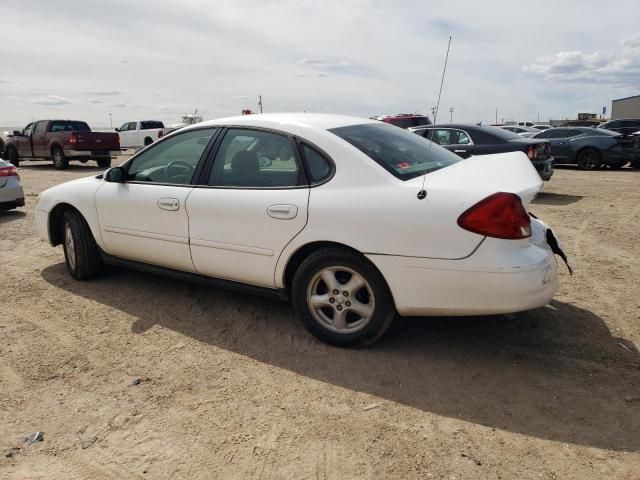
x,y
256,159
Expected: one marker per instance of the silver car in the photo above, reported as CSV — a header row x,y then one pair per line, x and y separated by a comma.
x,y
11,193
521,130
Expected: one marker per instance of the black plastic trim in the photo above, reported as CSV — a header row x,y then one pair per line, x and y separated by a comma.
x,y
278,293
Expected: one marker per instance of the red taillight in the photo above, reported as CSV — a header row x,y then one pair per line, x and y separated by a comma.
x,y
501,216
160,134
532,152
73,139
10,171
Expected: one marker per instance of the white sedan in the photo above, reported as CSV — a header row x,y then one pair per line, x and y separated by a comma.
x,y
351,219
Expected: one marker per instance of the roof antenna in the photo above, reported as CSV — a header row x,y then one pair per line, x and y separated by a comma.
x,y
422,194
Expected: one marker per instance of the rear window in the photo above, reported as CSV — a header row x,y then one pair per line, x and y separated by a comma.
x,y
150,125
69,126
400,152
406,122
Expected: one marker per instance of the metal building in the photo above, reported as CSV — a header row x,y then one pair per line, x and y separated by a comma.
x,y
628,107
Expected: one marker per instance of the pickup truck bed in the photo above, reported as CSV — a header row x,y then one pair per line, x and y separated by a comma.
x,y
61,141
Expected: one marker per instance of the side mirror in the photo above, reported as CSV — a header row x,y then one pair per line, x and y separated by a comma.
x,y
117,129
115,175
16,133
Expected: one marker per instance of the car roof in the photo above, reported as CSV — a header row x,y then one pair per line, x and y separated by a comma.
x,y
323,121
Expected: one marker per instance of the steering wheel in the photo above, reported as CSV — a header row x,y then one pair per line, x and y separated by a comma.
x,y
184,166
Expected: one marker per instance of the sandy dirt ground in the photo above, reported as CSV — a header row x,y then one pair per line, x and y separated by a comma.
x,y
230,386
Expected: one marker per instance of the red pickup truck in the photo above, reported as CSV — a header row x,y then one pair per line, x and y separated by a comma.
x,y
61,141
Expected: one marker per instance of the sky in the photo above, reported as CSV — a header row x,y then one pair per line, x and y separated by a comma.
x,y
156,60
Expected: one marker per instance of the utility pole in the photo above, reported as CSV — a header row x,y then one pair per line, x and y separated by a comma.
x,y
451,117
433,111
110,121
260,102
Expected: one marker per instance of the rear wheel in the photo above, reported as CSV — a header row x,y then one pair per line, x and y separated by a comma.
x,y
147,141
104,162
60,162
589,159
13,158
81,253
635,164
341,298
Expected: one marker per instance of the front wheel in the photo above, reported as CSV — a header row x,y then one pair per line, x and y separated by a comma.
x,y
81,253
60,162
104,162
589,159
341,298
636,164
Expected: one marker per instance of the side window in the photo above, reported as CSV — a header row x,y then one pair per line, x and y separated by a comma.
x,y
574,133
318,166
463,138
28,130
124,127
253,158
615,124
173,160
132,126
41,128
442,137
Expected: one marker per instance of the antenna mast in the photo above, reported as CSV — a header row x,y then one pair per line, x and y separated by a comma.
x,y
422,193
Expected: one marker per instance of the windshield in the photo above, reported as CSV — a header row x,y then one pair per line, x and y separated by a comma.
x,y
402,153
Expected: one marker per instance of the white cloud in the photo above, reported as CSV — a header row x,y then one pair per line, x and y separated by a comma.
x,y
94,100
51,100
620,67
105,93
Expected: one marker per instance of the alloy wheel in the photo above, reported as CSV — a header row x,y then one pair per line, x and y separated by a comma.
x,y
340,299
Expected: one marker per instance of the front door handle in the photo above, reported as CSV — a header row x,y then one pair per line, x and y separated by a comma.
x,y
282,212
170,204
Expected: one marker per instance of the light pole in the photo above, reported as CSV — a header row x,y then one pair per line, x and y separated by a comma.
x,y
110,121
451,117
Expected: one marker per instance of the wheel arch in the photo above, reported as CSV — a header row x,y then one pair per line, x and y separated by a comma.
x,y
55,224
304,251
147,141
53,145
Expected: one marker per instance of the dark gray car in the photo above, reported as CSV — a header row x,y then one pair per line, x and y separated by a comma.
x,y
589,148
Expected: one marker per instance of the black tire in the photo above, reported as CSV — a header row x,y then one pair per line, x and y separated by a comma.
x,y
13,158
636,164
305,278
104,162
589,159
81,254
148,141
60,162
618,165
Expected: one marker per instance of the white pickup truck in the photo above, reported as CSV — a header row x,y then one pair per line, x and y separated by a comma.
x,y
140,134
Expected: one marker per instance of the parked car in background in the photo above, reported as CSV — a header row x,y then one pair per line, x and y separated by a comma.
x,y
589,148
581,123
11,193
626,126
140,134
329,224
521,130
541,127
404,120
61,141
470,140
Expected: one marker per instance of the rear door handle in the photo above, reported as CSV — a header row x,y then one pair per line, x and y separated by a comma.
x,y
170,204
460,151
282,212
